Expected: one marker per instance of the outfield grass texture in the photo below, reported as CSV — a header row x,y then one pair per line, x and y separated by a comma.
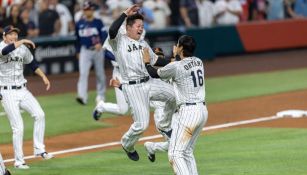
x,y
264,151
251,151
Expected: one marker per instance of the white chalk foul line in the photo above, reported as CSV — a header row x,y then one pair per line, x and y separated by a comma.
x,y
227,125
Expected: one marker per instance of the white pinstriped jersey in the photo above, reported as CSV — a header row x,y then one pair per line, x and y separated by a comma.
x,y
12,65
129,55
188,75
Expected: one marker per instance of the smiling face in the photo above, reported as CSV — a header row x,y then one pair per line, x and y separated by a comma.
x,y
10,37
135,30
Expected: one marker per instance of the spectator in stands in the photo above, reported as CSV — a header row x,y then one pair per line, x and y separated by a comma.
x,y
15,20
300,7
189,12
2,18
67,25
161,13
205,13
289,9
257,10
175,13
70,4
147,14
49,20
31,28
116,8
227,12
29,5
275,10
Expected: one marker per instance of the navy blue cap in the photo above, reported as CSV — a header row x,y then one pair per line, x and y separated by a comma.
x,y
9,29
88,5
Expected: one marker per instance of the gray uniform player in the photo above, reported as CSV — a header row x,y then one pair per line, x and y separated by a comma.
x,y
188,79
137,87
15,95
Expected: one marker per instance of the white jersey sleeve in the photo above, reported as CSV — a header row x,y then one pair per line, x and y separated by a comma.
x,y
28,57
169,71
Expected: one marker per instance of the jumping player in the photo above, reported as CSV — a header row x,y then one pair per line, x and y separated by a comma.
x,y
91,35
15,95
188,78
137,87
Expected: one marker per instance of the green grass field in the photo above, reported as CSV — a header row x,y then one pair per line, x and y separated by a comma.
x,y
234,152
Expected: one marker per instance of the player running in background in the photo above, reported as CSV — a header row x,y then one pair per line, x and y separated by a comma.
x,y
15,95
91,34
188,78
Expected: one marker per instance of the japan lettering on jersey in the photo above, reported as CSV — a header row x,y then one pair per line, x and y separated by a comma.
x,y
129,55
188,75
12,65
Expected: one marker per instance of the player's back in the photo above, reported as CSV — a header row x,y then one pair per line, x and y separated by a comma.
x,y
189,81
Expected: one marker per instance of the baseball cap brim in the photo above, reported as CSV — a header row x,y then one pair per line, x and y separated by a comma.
x,y
11,30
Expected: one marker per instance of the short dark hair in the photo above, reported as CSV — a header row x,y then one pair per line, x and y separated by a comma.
x,y
188,44
131,19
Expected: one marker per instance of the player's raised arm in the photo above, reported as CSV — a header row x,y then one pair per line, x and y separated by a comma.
x,y
119,21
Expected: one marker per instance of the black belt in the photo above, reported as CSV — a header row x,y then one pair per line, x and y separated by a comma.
x,y
142,80
190,104
13,87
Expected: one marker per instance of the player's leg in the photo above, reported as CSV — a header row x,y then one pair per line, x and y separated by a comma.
x,y
31,105
187,126
2,167
85,63
164,92
11,107
191,163
138,100
100,76
121,107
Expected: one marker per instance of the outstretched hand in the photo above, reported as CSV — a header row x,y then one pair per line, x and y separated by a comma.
x,y
132,10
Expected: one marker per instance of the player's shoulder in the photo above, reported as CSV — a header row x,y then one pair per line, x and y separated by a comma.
x,y
2,44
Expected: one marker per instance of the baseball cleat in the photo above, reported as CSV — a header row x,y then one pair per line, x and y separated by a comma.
x,y
150,153
96,115
80,101
22,166
7,172
45,155
132,155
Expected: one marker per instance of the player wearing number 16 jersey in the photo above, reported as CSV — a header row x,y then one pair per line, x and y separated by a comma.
x,y
188,79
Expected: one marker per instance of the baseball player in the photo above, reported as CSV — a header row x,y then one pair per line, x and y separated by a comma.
x,y
121,106
3,170
91,34
15,95
188,79
137,87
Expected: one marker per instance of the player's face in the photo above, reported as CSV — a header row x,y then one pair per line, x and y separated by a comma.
x,y
10,37
88,13
135,31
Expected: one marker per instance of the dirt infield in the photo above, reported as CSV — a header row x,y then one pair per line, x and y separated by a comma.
x,y
219,113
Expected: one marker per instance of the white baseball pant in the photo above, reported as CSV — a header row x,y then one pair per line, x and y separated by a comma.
x,y
187,125
12,101
138,97
2,167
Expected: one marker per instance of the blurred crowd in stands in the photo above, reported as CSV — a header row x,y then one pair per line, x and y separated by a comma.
x,y
57,17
